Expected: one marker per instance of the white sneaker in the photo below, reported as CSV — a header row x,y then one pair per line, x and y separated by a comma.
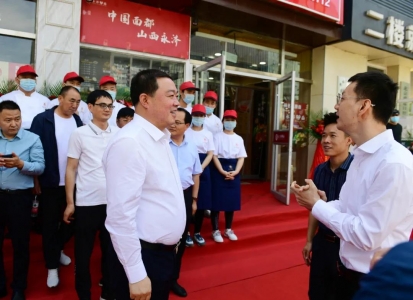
x,y
52,278
64,259
230,234
216,235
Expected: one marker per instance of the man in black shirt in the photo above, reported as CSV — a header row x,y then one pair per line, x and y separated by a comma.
x,y
321,251
395,126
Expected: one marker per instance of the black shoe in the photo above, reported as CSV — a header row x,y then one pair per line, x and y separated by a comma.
x,y
106,295
18,295
3,292
178,290
101,282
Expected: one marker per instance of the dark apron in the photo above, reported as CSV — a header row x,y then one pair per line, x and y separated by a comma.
x,y
226,194
205,190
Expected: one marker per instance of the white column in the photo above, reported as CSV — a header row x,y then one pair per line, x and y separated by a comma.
x,y
58,39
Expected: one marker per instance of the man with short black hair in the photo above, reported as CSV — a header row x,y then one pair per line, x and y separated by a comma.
x,y
375,207
394,125
125,115
21,157
54,126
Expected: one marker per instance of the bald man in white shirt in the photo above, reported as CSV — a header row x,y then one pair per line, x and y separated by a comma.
x,y
375,209
145,204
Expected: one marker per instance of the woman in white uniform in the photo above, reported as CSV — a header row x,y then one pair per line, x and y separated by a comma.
x,y
204,142
228,160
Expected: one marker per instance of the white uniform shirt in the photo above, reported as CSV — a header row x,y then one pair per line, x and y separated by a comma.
x,y
229,146
29,106
202,139
87,144
63,130
213,124
83,111
188,108
144,193
375,209
116,109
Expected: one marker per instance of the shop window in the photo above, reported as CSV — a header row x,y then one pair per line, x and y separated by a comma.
x,y
96,63
206,49
298,59
19,15
14,52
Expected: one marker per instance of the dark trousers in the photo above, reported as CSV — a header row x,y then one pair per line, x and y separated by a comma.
x,y
229,217
15,213
89,221
159,266
55,232
324,275
182,246
349,283
199,220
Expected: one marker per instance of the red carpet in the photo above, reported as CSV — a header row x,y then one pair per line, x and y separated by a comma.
x,y
265,263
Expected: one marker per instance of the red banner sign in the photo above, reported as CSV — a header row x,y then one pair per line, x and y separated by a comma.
x,y
132,26
330,9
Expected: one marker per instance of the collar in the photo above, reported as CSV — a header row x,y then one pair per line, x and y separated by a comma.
x,y
344,166
18,135
184,142
151,129
377,142
98,131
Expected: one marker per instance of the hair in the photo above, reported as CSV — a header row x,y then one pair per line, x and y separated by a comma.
x,y
125,112
8,104
145,82
188,117
66,89
96,95
330,118
380,89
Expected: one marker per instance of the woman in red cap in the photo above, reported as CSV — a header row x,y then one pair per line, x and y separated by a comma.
x,y
204,141
228,160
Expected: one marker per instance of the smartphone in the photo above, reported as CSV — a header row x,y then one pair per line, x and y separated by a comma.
x,y
7,156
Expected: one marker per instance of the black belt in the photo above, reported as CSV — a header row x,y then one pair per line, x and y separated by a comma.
x,y
14,192
349,275
159,247
331,238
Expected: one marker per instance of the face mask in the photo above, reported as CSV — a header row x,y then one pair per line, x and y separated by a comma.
x,y
209,110
395,119
27,85
112,94
77,87
198,121
230,125
189,99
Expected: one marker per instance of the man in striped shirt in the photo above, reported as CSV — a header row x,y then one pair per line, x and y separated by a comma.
x,y
321,251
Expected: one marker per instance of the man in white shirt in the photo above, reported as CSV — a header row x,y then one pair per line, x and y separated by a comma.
x,y
187,92
212,123
73,79
146,208
54,127
189,167
30,102
375,209
108,84
86,147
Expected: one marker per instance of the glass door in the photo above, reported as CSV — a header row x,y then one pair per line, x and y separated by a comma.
x,y
283,130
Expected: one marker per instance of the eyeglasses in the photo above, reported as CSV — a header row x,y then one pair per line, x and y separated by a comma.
x,y
340,98
104,106
179,123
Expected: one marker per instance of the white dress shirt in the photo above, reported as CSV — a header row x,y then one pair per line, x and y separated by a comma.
x,y
229,146
213,124
87,144
29,106
375,209
83,111
187,160
144,193
202,139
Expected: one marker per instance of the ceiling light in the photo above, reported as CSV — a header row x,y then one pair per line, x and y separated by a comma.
x,y
254,65
217,54
210,78
211,57
263,63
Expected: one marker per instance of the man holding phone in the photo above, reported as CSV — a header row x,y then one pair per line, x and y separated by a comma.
x,y
21,157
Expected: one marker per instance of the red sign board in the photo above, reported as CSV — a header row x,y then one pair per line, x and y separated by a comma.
x,y
281,137
330,9
132,26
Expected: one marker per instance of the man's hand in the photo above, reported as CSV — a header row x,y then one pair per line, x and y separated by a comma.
x,y
377,256
322,195
141,290
14,162
307,253
306,195
68,214
194,207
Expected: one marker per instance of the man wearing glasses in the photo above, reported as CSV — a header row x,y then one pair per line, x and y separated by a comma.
x,y
84,158
374,210
54,127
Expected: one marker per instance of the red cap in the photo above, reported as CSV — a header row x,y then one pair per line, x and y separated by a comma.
x,y
73,76
26,69
198,108
230,113
188,85
106,79
211,95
